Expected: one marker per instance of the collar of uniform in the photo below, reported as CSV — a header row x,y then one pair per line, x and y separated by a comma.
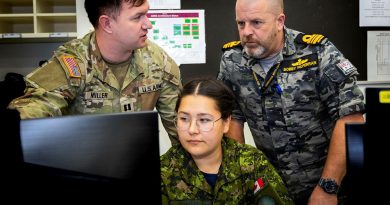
x,y
191,173
102,68
139,61
289,45
99,65
229,170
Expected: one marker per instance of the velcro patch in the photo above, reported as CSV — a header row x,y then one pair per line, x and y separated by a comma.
x,y
72,66
150,88
303,62
231,44
346,67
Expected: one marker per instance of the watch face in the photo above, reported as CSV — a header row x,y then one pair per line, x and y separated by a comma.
x,y
329,186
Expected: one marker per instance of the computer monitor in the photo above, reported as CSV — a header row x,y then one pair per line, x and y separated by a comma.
x,y
366,150
104,156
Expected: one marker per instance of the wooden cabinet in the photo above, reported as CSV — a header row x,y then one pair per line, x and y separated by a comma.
x,y
42,20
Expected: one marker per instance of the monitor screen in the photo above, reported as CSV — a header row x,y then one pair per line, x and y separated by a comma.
x,y
114,156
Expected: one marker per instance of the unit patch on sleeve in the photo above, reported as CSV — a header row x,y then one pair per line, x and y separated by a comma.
x,y
231,44
72,66
346,67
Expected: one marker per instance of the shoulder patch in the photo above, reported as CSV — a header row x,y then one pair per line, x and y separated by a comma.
x,y
72,66
311,39
231,44
346,67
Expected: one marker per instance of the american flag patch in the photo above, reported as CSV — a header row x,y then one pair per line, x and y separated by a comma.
x,y
73,67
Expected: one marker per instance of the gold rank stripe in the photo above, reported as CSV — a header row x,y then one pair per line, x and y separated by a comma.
x,y
384,96
312,39
231,44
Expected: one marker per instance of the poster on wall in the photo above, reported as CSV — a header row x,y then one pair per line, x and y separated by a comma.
x,y
378,55
181,33
374,12
164,4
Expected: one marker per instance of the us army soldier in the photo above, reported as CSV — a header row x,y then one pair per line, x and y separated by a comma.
x,y
112,69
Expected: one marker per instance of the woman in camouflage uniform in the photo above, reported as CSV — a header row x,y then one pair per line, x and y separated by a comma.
x,y
209,168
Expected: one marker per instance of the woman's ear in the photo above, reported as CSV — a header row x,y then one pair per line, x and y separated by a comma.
x,y
226,124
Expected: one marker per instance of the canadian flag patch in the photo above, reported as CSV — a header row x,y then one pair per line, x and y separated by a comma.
x,y
259,184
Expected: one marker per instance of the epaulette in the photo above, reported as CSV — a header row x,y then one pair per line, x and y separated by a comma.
x,y
311,39
232,44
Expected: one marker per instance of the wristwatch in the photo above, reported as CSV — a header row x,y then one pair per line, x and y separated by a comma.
x,y
329,185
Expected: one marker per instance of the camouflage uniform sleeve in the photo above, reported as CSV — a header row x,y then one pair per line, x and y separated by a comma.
x,y
226,67
164,170
169,94
269,184
48,92
338,88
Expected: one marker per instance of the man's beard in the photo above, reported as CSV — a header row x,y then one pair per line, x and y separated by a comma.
x,y
255,52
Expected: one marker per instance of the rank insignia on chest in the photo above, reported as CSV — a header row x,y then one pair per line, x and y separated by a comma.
x,y
72,66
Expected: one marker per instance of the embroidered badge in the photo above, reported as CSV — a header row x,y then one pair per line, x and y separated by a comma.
x,y
259,184
73,67
232,44
346,67
303,62
150,88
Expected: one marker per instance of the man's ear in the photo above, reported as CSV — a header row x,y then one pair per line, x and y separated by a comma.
x,y
105,23
281,19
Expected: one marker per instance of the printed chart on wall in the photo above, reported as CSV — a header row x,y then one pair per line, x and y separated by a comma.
x,y
164,4
378,55
181,33
374,12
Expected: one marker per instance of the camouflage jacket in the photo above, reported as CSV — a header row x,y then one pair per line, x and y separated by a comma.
x,y
245,176
76,80
291,116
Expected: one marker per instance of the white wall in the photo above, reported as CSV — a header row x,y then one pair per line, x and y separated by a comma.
x,y
83,24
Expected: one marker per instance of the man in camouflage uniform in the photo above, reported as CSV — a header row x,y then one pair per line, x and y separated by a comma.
x,y
296,92
113,69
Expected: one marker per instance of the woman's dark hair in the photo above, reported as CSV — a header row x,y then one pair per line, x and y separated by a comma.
x,y
96,8
213,89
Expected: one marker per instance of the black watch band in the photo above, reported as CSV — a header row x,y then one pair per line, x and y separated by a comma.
x,y
330,186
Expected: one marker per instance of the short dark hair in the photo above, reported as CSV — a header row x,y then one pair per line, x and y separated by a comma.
x,y
96,8
213,89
